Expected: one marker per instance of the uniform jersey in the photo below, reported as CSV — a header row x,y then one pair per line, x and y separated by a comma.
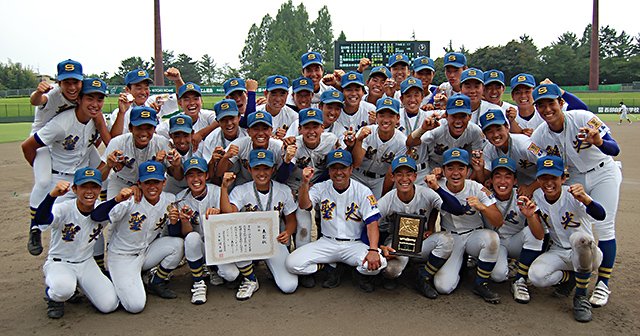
x,y
379,154
241,161
169,106
134,156
514,220
532,122
505,106
205,118
436,141
127,114
429,94
71,142
424,201
521,151
447,89
409,124
284,119
315,98
215,139
210,200
577,154
174,186
345,214
482,109
73,234
472,219
307,157
279,198
564,217
136,225
56,103
356,120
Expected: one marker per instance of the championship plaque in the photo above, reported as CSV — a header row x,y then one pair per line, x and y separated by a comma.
x,y
408,232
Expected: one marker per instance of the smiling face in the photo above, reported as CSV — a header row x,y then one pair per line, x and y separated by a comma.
x,y
340,175
196,180
87,195
311,133
260,135
503,181
473,89
387,120
426,76
139,91
91,104
229,126
375,83
191,103
142,134
302,99
400,72
498,135
276,99
455,173
404,179
261,175
182,141
70,88
330,113
151,190
551,186
457,123
493,92
412,99
315,72
353,95
551,111
522,95
240,97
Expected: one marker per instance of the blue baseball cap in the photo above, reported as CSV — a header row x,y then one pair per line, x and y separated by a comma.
x,y
332,96
69,69
503,162
234,84
546,91
226,108
494,76
403,161
259,117
276,82
455,59
351,77
339,156
151,170
386,103
550,165
195,162
310,115
523,79
458,103
409,83
423,62
189,87
137,76
455,154
397,58
302,83
141,115
472,73
382,70
311,57
492,117
94,85
86,175
259,157
180,123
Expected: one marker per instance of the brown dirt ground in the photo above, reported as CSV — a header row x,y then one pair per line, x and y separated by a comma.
x,y
344,310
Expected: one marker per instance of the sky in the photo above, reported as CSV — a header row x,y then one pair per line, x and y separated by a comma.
x,y
100,34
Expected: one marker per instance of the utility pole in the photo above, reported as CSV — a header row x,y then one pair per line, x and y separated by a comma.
x,y
158,78
594,61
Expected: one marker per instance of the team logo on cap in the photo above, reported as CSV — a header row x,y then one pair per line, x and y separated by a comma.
x,y
261,155
548,163
278,80
452,57
193,161
411,81
89,173
151,169
472,73
503,160
259,115
459,102
69,67
387,102
542,90
190,87
311,56
142,73
96,83
351,76
493,74
145,114
522,78
424,61
234,82
335,94
455,153
398,57
311,113
337,155
224,106
490,116
303,82
402,160
180,121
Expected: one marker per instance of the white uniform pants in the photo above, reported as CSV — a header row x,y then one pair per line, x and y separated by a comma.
x,y
194,250
510,248
440,244
303,230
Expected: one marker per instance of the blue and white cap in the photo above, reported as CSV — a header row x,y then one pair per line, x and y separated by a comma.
x,y
276,82
382,70
503,162
494,76
332,96
137,76
310,115
458,103
492,117
234,84
455,59
403,161
386,103
351,77
398,58
302,84
546,91
311,57
141,115
409,83
189,87
259,117
472,73
94,85
523,79
422,63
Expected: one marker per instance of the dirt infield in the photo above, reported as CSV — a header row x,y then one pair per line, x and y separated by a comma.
x,y
317,311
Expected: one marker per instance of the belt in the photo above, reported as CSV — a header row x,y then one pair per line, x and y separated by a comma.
x,y
343,239
60,173
423,166
123,180
370,174
465,232
600,165
67,261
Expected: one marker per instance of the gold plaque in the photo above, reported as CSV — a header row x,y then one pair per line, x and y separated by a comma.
x,y
408,233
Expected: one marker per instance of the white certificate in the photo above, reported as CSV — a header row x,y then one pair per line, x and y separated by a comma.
x,y
240,236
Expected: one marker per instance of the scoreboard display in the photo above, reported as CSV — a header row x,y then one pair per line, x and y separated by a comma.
x,y
348,53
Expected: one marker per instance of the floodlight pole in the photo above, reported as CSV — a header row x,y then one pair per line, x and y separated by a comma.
x,y
158,77
594,61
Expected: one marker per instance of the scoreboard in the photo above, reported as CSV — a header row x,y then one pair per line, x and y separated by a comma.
x,y
348,53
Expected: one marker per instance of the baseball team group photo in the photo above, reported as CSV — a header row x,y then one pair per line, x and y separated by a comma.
x,y
327,186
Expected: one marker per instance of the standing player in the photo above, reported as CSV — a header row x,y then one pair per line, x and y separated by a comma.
x,y
244,94
228,116
73,233
472,84
586,147
302,94
181,133
412,98
399,65
525,119
494,89
276,94
262,194
356,112
623,113
135,93
425,70
312,68
573,254
454,64
347,208
375,84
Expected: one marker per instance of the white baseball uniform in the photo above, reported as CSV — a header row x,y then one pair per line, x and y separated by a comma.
x,y
521,151
436,141
429,94
408,123
284,119
623,112
357,120
482,109
447,89
205,118
240,162
505,106
169,106
174,186
532,122
217,138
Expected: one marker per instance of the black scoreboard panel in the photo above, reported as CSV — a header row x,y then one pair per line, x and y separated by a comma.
x,y
348,53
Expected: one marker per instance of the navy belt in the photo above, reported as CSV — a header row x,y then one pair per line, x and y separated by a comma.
x,y
60,173
465,232
600,165
343,239
370,174
422,166
67,261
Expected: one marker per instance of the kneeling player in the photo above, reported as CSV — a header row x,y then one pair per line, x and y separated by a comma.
x,y
418,200
137,242
573,254
73,233
261,194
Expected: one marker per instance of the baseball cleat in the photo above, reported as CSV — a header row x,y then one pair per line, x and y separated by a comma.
x,y
600,295
214,278
486,294
160,289
581,309
307,281
246,289
333,277
365,282
199,292
55,310
520,291
389,284
34,245
564,289
425,287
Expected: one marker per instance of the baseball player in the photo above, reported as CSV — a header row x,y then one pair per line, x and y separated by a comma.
x,y
347,207
70,138
472,86
302,92
623,113
356,112
262,194
181,133
467,230
399,65
331,104
494,89
228,116
375,84
312,68
525,120
411,97
276,94
70,263
584,143
573,255
424,70
522,234
374,147
144,235
244,94
454,64
418,200
136,93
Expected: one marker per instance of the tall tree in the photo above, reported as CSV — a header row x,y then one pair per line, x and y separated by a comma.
x,y
16,76
207,69
127,65
342,37
323,33
188,68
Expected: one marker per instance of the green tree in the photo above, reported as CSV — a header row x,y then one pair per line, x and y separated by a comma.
x,y
254,47
323,33
129,64
342,37
188,68
16,76
207,69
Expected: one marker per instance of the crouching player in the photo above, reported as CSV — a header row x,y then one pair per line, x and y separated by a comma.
x,y
573,254
141,239
521,234
73,233
418,200
261,194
